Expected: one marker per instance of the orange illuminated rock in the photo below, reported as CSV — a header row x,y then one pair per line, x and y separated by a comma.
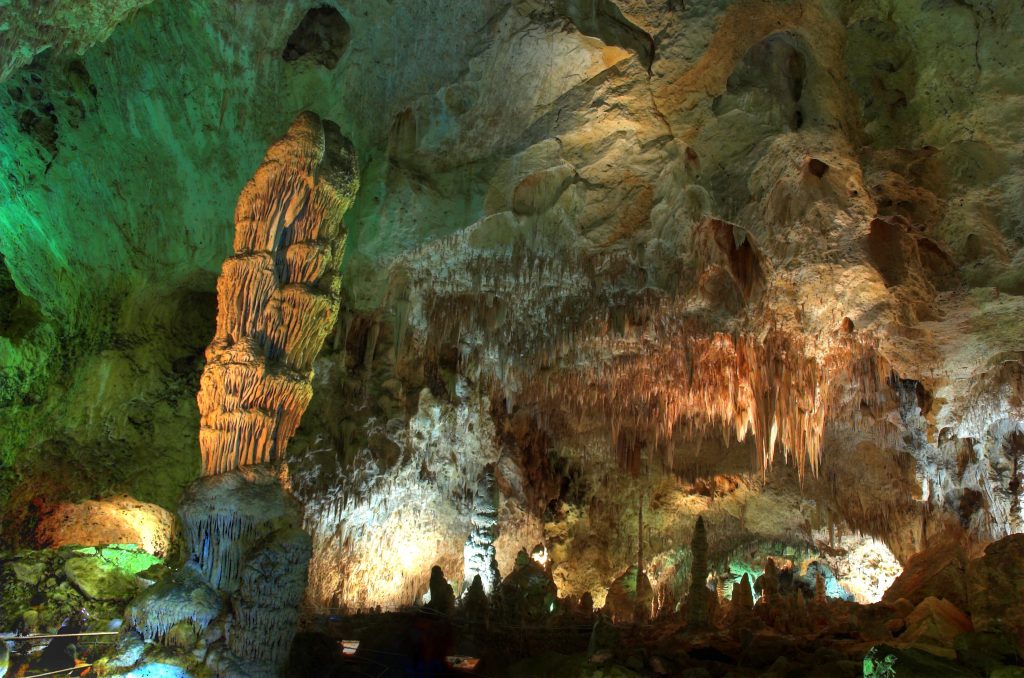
x,y
277,296
117,520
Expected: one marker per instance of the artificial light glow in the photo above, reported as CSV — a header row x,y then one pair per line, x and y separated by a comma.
x,y
867,567
462,663
540,556
348,647
409,554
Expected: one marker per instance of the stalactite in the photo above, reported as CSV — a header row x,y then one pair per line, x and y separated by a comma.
x,y
568,342
180,597
223,516
277,297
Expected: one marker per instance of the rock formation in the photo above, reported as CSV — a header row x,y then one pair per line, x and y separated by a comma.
x,y
116,520
698,614
758,261
277,297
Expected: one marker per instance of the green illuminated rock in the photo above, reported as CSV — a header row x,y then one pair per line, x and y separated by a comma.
x,y
44,589
884,661
98,581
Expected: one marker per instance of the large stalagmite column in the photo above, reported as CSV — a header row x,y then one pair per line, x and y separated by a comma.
x,y
277,297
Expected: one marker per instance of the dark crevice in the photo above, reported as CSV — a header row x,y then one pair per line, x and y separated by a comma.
x,y
776,66
323,35
886,249
18,314
603,20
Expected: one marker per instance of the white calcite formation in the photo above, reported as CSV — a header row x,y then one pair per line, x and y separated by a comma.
x,y
181,597
479,553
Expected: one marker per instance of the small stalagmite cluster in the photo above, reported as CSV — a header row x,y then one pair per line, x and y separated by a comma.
x,y
277,297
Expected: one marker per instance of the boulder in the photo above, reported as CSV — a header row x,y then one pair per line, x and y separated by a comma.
x,y
117,520
98,581
935,622
27,572
937,571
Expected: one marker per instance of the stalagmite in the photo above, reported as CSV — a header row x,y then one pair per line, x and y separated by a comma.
x,y
698,614
277,301
479,553
277,297
770,583
742,599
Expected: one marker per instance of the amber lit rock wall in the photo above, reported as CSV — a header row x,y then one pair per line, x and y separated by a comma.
x,y
277,297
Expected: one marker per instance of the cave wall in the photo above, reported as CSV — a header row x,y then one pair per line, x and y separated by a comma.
x,y
563,204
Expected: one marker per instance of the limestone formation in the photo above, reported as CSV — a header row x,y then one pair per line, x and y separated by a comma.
x,y
277,297
698,614
480,554
758,261
116,520
995,588
181,597
742,600
235,601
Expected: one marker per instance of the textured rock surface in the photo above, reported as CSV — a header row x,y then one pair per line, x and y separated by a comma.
x,y
32,27
232,607
277,297
117,520
609,241
995,588
42,591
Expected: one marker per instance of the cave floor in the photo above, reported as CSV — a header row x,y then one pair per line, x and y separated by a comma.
x,y
413,642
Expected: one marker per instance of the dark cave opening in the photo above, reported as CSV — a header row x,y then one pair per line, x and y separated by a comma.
x,y
323,35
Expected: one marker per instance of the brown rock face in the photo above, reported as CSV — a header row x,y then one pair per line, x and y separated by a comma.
x,y
995,587
277,297
935,572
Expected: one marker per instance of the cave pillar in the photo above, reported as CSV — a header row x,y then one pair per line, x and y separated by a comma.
x,y
277,297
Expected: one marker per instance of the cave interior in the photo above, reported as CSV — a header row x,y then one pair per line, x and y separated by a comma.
x,y
583,338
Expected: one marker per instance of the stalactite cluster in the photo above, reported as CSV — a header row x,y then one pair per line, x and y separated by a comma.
x,y
773,386
588,336
277,297
180,597
224,516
